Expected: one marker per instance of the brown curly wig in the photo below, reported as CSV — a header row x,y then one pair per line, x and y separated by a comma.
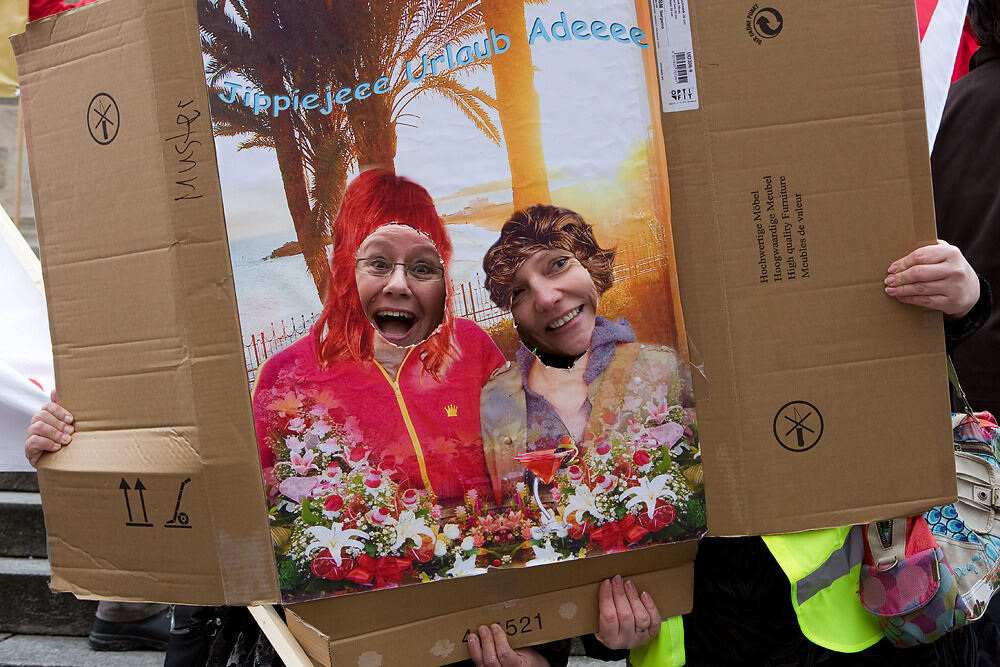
x,y
544,227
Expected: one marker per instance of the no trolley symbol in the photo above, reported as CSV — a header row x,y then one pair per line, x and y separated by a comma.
x,y
798,426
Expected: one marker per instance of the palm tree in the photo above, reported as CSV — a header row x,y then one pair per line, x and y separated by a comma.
x,y
280,47
517,103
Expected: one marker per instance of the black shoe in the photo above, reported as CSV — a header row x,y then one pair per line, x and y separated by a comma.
x,y
149,634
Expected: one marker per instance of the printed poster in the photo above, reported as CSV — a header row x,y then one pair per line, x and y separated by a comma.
x,y
450,236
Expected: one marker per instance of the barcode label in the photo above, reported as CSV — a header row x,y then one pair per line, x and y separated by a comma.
x,y
680,67
674,54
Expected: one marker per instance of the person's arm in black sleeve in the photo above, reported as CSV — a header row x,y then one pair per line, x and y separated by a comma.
x,y
938,276
957,330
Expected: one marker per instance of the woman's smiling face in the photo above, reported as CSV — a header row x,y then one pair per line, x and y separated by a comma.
x,y
400,278
554,303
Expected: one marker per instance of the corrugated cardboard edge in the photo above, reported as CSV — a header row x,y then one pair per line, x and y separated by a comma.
x,y
438,639
244,560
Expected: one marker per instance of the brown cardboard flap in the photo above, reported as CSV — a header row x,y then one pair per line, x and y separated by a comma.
x,y
530,615
348,616
825,120
159,496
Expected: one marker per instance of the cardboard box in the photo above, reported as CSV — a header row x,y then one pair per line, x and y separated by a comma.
x,y
788,313
159,496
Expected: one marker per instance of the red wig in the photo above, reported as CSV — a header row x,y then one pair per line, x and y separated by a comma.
x,y
373,199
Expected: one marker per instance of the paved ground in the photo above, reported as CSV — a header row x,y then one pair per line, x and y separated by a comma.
x,y
43,651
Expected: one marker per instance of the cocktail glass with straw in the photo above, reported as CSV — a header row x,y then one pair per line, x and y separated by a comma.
x,y
544,463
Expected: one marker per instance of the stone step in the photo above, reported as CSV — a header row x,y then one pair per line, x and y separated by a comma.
x,y
22,528
30,607
50,651
18,481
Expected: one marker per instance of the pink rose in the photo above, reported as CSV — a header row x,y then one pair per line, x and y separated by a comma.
x,y
603,448
410,498
668,434
436,511
333,503
575,473
297,488
379,516
640,458
373,480
605,482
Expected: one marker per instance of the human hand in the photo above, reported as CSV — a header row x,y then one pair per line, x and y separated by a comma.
x,y
627,618
51,428
490,648
935,276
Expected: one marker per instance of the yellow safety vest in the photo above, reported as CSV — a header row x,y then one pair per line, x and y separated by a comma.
x,y
823,568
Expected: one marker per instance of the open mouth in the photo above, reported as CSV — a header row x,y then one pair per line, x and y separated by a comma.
x,y
394,325
564,320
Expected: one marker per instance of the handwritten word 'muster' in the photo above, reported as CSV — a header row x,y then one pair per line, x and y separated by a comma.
x,y
184,145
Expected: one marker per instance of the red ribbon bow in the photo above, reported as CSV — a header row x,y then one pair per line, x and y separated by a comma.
x,y
324,566
385,571
614,536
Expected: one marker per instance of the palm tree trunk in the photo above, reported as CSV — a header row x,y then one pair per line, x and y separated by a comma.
x,y
517,103
374,132
290,162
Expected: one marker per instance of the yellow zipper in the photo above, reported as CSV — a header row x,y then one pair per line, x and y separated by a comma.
x,y
394,383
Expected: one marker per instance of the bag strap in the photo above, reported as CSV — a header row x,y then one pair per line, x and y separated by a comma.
x,y
953,378
887,543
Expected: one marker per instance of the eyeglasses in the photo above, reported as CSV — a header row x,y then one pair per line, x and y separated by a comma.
x,y
420,269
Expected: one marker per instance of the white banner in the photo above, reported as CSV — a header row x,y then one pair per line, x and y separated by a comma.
x,y
938,49
26,375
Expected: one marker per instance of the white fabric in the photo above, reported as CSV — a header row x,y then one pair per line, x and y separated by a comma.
x,y
938,49
25,349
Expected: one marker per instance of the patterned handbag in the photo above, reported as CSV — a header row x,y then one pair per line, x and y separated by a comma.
x,y
924,576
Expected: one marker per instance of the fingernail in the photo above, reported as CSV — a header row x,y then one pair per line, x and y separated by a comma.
x,y
68,419
646,597
64,439
893,268
606,583
630,587
67,429
891,280
891,291
618,580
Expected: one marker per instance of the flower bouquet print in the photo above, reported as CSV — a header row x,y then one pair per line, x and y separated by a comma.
x,y
403,350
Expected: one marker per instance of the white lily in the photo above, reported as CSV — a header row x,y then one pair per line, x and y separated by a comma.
x,y
335,538
582,500
465,567
294,443
648,492
545,554
409,527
